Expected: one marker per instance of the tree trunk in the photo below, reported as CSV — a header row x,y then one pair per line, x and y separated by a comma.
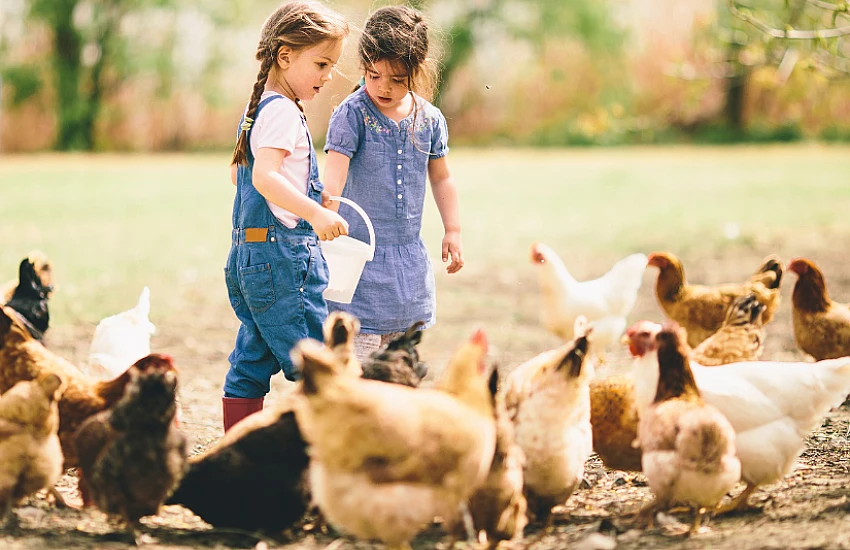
x,y
736,88
75,130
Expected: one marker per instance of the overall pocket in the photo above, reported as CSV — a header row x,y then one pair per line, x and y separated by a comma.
x,y
257,286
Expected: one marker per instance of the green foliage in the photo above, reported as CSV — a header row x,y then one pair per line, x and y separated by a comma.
x,y
25,81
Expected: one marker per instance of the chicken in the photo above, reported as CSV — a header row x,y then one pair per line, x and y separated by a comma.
x,y
255,477
121,340
132,456
24,358
548,400
701,309
386,459
772,405
605,302
821,326
398,362
44,270
614,418
740,338
613,411
499,506
688,446
30,454
29,300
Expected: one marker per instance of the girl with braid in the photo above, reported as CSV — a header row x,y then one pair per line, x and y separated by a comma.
x,y
275,270
383,140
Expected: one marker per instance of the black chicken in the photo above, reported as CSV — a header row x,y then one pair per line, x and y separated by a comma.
x,y
29,300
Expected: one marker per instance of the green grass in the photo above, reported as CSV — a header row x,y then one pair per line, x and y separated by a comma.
x,y
113,224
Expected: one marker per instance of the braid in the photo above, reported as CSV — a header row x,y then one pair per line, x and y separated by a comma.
x,y
297,25
240,153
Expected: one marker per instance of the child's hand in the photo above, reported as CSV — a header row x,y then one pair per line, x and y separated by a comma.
x,y
328,225
452,246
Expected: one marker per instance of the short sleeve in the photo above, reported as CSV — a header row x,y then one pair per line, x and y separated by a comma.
x,y
439,136
344,131
278,126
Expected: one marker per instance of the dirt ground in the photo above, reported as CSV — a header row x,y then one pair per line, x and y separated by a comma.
x,y
806,510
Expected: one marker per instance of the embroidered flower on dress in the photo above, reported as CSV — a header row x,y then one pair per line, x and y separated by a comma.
x,y
373,124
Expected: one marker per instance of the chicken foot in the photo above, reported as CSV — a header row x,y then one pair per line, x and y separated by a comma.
x,y
739,503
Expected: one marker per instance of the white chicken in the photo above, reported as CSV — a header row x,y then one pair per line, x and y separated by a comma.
x,y
121,340
772,405
605,302
548,400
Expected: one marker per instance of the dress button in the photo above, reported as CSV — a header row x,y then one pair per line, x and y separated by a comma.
x,y
399,196
272,239
399,166
399,182
399,151
301,289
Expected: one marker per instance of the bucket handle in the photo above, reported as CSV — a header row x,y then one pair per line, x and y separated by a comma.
x,y
360,211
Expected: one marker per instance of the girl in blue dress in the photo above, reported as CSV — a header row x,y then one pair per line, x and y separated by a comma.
x,y
383,141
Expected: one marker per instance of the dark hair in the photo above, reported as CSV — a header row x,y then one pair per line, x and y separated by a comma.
x,y
297,25
399,35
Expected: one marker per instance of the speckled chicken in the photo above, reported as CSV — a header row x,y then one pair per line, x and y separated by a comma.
x,y
701,309
740,338
548,400
387,459
614,418
132,456
821,325
30,454
688,446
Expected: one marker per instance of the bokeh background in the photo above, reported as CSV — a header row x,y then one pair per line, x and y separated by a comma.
x,y
173,75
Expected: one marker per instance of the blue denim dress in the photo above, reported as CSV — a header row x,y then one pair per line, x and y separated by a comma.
x,y
386,177
275,278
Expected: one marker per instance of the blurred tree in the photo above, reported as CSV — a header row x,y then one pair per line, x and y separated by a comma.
x,y
785,33
534,22
95,46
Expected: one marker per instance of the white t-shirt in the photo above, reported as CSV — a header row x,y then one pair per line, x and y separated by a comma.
x,y
280,126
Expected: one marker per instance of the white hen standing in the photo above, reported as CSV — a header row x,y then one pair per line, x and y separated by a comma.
x,y
548,400
121,340
605,302
772,405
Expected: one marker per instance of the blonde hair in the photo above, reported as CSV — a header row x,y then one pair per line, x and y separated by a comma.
x,y
297,25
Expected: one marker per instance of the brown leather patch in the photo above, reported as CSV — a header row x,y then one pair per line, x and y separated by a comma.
x,y
256,234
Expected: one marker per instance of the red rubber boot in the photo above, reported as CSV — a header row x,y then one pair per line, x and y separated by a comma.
x,y
235,409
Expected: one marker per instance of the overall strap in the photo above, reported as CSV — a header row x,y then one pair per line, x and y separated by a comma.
x,y
263,103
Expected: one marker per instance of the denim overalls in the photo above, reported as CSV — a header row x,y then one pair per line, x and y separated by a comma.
x,y
275,278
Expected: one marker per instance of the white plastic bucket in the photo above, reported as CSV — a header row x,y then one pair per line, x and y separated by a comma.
x,y
346,258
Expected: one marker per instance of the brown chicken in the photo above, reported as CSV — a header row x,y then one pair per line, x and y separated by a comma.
x,y
499,506
132,456
614,419
43,268
740,338
821,326
24,358
30,455
688,446
701,309
548,400
387,459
